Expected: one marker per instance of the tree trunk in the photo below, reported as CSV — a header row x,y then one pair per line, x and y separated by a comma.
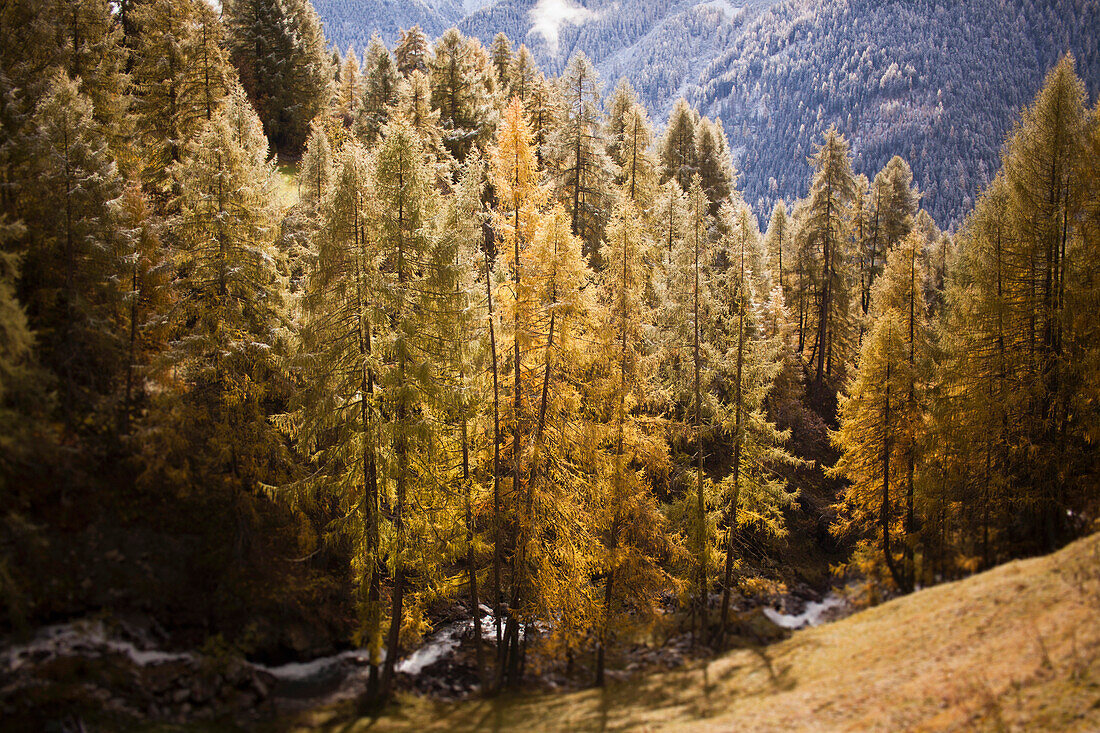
x,y
701,508
884,517
370,476
471,569
496,458
826,289
509,652
401,451
731,516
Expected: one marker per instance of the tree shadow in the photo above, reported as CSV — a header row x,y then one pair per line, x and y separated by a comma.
x,y
699,690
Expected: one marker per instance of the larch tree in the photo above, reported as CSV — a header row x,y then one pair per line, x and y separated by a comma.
x,y
27,442
144,282
522,75
881,417
677,150
414,104
208,433
690,355
577,156
714,164
824,229
555,559
860,219
515,175
1007,369
316,170
349,89
896,202
637,177
668,221
976,379
90,49
753,494
1045,170
883,214
413,278
622,99
335,416
778,241
295,244
181,73
18,370
1082,285
460,328
635,538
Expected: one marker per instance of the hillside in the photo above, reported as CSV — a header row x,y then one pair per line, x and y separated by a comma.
x,y
1014,648
352,22
660,45
937,84
391,385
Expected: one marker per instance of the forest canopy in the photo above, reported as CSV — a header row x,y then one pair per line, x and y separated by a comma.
x,y
333,338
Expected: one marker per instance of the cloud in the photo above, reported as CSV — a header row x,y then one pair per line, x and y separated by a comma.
x,y
548,16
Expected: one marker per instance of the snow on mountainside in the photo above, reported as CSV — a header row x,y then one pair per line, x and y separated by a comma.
x,y
352,22
659,44
936,83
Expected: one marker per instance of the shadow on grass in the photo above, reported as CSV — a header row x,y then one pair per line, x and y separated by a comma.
x,y
696,691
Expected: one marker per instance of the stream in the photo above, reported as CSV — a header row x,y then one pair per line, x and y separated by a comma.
x,y
180,685
814,614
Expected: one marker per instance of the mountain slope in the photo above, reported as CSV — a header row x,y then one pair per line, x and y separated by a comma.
x,y
352,22
660,45
937,83
1017,647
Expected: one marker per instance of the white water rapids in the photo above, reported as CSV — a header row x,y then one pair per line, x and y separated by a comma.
x,y
812,615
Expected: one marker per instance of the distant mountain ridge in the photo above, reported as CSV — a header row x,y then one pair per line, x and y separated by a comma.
x,y
935,83
352,22
939,84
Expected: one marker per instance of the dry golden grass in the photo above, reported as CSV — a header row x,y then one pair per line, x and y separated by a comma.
x,y
286,194
1015,648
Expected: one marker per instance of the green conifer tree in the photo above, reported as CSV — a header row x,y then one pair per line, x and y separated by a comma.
x,y
379,91
280,51
463,90
412,52
501,52
677,148
72,255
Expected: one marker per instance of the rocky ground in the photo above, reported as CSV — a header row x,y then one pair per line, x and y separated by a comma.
x,y
100,673
1016,648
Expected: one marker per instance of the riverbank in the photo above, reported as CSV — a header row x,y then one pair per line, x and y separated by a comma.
x,y
1014,648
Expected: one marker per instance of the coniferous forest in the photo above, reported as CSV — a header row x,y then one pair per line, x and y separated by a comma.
x,y
451,377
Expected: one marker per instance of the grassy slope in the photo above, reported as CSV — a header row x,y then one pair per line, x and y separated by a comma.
x,y
1015,648
287,193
